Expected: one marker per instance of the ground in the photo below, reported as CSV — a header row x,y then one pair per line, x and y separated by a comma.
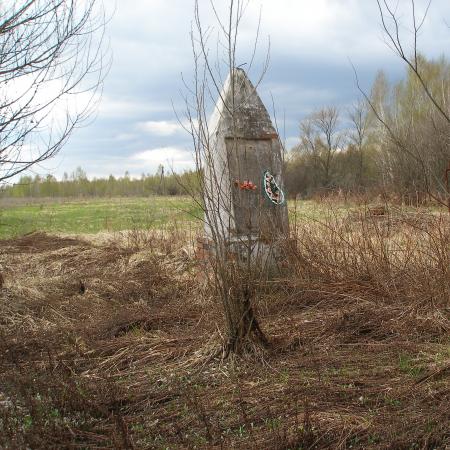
x,y
111,341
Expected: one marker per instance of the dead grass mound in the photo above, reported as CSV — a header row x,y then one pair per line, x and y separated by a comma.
x,y
37,242
112,343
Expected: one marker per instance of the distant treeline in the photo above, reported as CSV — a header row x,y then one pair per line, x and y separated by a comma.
x,y
393,142
77,184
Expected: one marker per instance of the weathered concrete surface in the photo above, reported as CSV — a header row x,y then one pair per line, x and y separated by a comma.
x,y
243,145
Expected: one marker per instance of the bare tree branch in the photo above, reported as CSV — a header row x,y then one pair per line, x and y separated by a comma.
x,y
52,65
386,12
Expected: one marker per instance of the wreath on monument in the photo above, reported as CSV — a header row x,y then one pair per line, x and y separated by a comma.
x,y
271,189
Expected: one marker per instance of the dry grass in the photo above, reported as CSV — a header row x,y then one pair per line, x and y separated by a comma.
x,y
109,343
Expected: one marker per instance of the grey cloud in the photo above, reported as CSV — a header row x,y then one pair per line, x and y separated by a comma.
x,y
311,45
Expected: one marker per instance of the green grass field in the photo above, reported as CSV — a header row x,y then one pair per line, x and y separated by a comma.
x,y
114,214
94,215
75,216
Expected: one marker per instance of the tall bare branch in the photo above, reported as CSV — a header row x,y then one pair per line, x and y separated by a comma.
x,y
52,64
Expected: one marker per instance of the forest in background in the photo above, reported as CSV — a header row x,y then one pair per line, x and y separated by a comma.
x,y
392,143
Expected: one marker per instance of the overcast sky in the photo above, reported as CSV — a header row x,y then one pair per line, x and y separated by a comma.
x,y
312,44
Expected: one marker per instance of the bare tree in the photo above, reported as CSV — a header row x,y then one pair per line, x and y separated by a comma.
x,y
52,65
390,20
408,149
359,119
321,138
238,267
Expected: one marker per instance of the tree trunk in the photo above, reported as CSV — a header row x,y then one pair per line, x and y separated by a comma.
x,y
243,327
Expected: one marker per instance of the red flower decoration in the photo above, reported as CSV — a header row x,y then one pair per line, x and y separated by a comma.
x,y
246,185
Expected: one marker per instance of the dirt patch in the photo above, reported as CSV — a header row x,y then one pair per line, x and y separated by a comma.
x,y
36,242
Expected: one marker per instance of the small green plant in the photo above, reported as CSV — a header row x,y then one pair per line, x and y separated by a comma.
x,y
27,422
138,427
273,423
284,376
55,413
391,401
241,431
408,367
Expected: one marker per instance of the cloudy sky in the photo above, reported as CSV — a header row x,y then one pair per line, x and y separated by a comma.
x,y
312,44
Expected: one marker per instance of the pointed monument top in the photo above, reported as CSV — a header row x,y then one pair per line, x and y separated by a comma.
x,y
239,98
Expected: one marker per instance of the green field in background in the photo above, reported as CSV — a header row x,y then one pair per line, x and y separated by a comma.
x,y
116,214
74,216
94,215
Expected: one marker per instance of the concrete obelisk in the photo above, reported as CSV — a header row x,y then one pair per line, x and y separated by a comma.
x,y
244,190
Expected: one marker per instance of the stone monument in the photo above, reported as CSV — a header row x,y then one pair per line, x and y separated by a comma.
x,y
243,188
